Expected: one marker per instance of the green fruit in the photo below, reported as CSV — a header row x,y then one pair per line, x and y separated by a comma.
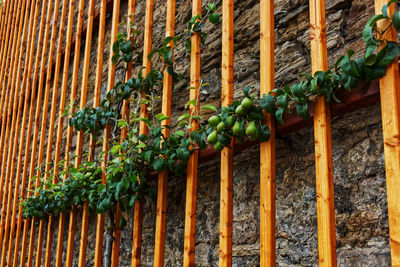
x,y
220,127
218,146
240,111
214,120
251,129
229,122
236,128
247,103
212,138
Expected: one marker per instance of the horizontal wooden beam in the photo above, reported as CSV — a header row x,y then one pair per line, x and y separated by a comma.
x,y
362,96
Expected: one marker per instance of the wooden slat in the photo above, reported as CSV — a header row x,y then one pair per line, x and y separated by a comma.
x,y
74,85
323,142
11,117
5,128
226,198
15,82
390,102
124,134
28,86
48,74
24,98
159,247
96,103
43,59
191,186
267,149
61,32
59,140
138,209
6,52
85,77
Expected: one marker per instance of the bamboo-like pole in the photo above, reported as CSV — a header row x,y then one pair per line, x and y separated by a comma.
x,y
9,124
37,129
138,209
24,98
4,122
191,187
226,199
6,51
57,156
85,77
323,142
75,73
4,7
159,247
15,125
39,246
124,134
267,149
53,113
96,103
390,102
32,93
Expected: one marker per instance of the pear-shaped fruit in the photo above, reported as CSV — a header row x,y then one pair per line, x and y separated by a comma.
x,y
240,111
236,128
212,138
247,103
220,127
251,129
218,146
214,120
229,121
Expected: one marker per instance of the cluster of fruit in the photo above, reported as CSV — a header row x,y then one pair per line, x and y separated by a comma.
x,y
242,118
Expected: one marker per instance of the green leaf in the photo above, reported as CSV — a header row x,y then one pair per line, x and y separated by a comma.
x,y
214,18
184,116
115,149
281,100
211,107
279,116
159,165
161,117
267,103
396,20
388,54
247,91
302,110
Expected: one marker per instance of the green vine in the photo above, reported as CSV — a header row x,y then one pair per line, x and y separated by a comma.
x,y
132,162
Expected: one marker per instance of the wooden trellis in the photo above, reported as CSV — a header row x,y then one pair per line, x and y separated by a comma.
x,y
32,51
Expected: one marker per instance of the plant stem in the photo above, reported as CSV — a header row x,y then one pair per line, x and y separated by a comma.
x,y
109,238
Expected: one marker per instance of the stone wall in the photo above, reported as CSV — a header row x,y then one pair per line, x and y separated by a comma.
x,y
360,195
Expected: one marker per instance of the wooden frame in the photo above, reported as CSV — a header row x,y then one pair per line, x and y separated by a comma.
x,y
191,186
267,149
323,142
159,246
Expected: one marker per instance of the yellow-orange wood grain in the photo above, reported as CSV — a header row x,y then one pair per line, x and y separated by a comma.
x,y
390,102
191,186
159,247
267,149
323,142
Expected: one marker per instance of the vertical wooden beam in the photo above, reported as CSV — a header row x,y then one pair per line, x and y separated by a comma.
x,y
124,134
159,247
138,210
11,117
226,198
267,149
15,82
390,102
28,84
74,85
37,129
323,142
23,99
57,156
61,33
85,77
96,103
5,128
191,186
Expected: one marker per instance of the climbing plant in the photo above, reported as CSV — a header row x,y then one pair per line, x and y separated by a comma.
x,y
138,157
